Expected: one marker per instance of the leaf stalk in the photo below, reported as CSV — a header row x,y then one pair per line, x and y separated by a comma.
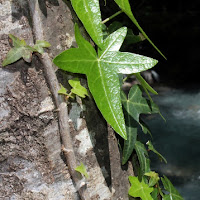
x,y
111,17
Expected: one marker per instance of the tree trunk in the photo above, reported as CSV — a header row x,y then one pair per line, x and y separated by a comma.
x,y
33,151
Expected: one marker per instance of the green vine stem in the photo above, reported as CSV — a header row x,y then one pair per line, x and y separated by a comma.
x,y
111,17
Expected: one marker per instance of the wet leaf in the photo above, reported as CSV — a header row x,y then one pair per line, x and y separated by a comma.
x,y
151,148
173,193
102,72
126,8
89,13
77,88
82,169
139,189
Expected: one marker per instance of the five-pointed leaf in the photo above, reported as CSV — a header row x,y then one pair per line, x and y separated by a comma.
x,y
139,189
173,193
89,13
20,50
136,104
102,72
133,107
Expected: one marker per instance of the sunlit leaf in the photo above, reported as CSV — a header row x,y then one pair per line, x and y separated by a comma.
x,y
89,13
173,193
126,8
77,88
102,73
139,189
82,169
151,148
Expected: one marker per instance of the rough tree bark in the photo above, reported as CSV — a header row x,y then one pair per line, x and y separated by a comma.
x,y
32,163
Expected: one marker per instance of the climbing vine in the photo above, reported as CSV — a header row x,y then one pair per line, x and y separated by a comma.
x,y
103,67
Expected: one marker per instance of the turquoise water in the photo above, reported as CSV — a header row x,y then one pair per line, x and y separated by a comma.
x,y
178,139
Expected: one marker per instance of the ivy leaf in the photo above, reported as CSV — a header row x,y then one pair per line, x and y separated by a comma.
x,y
134,106
77,88
62,90
139,189
126,8
89,13
82,169
102,72
20,50
138,104
154,178
40,44
131,131
154,194
16,41
151,148
173,193
143,157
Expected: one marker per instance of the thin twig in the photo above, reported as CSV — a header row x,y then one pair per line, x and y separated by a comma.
x,y
59,101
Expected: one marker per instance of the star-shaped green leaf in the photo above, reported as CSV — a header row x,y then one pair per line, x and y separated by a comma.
x,y
133,107
139,189
102,72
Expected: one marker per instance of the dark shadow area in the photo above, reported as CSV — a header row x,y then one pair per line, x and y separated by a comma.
x,y
19,9
46,3
98,127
